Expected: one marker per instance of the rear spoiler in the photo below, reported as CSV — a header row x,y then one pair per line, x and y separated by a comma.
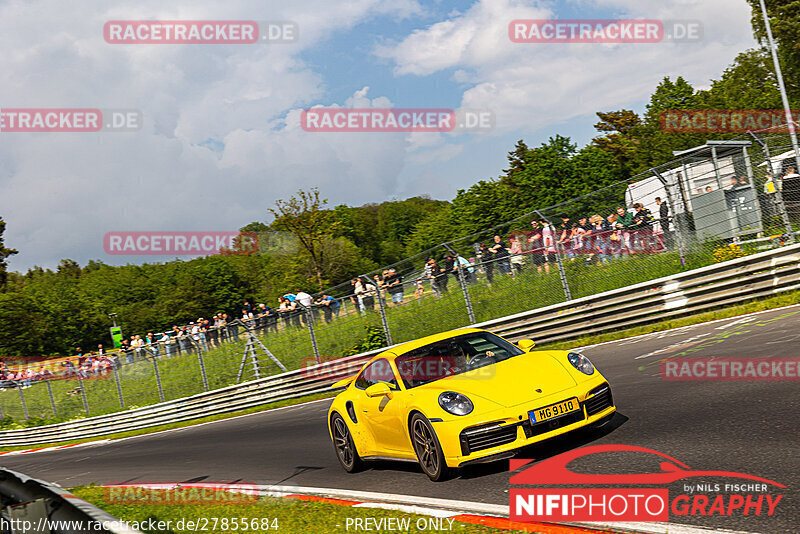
x,y
343,383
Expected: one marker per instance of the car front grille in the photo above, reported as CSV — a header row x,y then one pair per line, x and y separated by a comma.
x,y
486,436
598,400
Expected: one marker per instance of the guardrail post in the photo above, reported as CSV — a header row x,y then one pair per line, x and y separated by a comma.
x,y
310,322
463,283
158,380
50,394
202,369
382,308
83,394
22,398
119,386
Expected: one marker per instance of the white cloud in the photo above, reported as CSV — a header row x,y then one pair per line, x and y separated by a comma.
x,y
531,86
62,192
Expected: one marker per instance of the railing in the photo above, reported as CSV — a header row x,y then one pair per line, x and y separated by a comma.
x,y
750,277
42,503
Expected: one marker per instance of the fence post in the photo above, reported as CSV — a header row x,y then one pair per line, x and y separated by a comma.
x,y
382,308
778,194
52,400
119,386
310,322
463,283
561,272
22,398
158,380
83,394
202,368
676,223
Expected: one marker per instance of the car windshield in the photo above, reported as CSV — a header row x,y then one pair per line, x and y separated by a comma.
x,y
453,356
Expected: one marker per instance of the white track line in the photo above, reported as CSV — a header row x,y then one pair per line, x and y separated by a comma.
x,y
734,318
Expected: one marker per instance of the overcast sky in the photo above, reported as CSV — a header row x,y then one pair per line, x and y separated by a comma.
x,y
221,138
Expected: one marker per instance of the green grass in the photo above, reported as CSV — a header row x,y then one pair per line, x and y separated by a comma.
x,y
292,515
348,333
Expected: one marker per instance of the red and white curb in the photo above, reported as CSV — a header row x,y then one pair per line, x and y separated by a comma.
x,y
466,512
46,449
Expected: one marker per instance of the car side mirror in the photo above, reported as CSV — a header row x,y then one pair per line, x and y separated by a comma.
x,y
378,390
526,344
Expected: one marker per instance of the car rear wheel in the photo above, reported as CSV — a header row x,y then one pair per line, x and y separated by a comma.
x,y
343,443
428,450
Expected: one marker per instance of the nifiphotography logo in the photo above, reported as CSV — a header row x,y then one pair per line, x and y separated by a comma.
x,y
748,495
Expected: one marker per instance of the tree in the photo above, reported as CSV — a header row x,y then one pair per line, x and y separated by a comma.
x,y
619,141
4,253
517,159
303,215
784,18
749,83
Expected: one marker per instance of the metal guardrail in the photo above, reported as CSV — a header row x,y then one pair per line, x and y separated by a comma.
x,y
731,282
35,505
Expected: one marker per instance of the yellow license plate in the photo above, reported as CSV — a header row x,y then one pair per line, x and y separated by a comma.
x,y
554,410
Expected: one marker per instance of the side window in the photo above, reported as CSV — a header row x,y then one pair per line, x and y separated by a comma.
x,y
377,371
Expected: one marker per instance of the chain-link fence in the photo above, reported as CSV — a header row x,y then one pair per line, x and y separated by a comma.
x,y
712,203
157,372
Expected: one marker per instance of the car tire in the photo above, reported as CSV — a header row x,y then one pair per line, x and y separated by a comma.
x,y
344,446
428,449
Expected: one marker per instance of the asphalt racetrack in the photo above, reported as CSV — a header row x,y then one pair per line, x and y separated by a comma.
x,y
747,427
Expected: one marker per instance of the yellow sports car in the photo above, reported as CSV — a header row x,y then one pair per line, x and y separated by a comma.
x,y
463,397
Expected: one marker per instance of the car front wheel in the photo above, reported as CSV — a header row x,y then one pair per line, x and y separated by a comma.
x,y
428,449
343,444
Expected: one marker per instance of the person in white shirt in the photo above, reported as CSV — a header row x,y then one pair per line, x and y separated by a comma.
x,y
303,298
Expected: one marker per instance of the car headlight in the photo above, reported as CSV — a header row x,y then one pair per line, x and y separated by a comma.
x,y
580,362
455,403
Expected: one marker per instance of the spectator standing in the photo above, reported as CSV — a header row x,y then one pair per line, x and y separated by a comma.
x,y
536,246
355,298
517,259
304,298
367,293
500,251
600,235
663,214
330,306
394,286
487,259
165,339
435,276
448,263
138,347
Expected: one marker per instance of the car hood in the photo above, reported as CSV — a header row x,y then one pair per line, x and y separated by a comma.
x,y
513,381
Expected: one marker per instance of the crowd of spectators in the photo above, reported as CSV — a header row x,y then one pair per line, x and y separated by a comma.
x,y
596,238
